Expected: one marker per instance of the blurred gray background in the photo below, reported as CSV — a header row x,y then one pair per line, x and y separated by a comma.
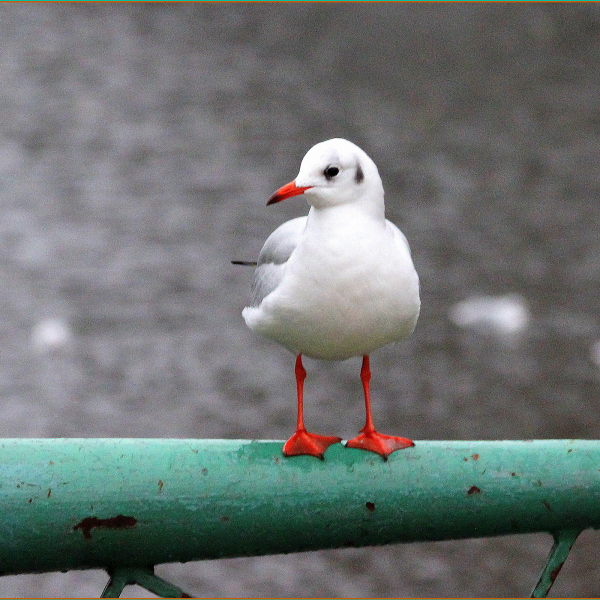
x,y
138,145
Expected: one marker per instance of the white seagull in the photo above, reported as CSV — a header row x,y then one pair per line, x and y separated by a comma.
x,y
337,283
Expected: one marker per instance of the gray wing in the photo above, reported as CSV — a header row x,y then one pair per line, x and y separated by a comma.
x,y
273,258
399,237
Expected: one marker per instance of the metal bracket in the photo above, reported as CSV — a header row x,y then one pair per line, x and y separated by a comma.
x,y
563,542
123,576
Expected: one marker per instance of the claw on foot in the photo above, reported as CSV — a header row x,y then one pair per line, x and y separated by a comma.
x,y
379,443
312,444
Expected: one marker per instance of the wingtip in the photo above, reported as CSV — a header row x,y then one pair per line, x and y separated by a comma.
x,y
245,263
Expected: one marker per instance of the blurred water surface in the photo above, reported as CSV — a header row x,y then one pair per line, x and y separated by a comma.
x,y
138,145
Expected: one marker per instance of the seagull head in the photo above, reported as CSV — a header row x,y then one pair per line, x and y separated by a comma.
x,y
334,172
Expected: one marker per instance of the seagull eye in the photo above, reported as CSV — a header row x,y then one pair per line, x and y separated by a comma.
x,y
330,173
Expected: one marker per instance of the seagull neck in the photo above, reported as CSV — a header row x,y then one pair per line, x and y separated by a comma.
x,y
374,211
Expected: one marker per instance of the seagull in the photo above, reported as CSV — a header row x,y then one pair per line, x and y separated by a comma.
x,y
337,283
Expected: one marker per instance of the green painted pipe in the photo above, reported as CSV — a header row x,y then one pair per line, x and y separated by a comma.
x,y
87,503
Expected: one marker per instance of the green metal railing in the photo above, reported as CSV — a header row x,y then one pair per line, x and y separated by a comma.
x,y
125,505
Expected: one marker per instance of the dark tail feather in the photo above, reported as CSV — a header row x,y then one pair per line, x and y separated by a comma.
x,y
245,263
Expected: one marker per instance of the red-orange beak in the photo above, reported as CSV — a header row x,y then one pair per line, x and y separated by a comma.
x,y
287,191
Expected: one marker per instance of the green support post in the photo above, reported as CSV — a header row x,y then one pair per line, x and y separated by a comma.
x,y
563,542
128,504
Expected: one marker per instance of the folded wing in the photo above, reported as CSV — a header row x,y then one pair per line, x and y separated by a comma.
x,y
273,258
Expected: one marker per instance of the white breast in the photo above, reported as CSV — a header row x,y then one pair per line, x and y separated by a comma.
x,y
348,287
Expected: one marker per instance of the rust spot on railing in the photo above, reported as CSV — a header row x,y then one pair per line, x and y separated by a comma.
x,y
118,522
555,572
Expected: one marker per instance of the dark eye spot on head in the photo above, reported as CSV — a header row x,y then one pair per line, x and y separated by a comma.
x,y
330,173
359,174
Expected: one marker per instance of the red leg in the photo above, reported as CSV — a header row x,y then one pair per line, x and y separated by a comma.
x,y
303,442
369,438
